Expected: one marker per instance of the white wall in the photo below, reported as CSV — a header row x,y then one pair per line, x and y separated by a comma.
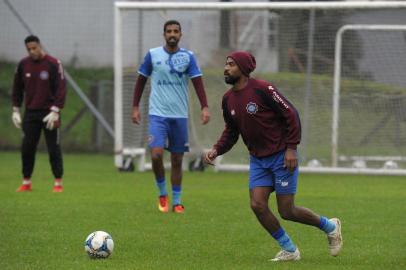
x,y
66,28
81,31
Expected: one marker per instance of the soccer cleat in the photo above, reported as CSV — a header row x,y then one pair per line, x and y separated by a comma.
x,y
57,189
163,204
335,239
285,255
23,188
180,209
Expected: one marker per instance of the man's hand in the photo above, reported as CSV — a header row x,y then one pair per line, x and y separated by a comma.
x,y
210,156
16,117
52,118
290,161
205,115
136,117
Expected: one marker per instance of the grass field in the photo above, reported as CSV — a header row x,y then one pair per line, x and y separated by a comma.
x,y
42,230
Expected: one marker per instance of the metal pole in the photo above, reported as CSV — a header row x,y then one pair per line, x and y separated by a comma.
x,y
89,105
336,98
118,81
225,28
308,94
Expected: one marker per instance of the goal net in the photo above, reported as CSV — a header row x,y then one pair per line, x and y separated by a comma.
x,y
353,120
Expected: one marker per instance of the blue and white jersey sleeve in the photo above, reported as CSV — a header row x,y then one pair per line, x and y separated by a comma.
x,y
193,69
146,66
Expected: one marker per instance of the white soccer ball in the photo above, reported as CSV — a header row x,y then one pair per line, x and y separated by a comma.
x,y
99,244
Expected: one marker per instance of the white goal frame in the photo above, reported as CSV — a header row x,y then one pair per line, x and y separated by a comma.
x,y
337,85
121,154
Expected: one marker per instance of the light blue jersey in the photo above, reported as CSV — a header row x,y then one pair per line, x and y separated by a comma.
x,y
169,74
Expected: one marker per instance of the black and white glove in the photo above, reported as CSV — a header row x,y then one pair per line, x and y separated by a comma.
x,y
16,117
52,118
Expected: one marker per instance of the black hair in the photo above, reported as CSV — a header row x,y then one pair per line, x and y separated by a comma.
x,y
170,22
31,38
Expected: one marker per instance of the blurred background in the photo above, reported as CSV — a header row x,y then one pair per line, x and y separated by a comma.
x,y
294,50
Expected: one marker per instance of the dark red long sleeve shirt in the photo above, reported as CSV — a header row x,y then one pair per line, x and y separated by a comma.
x,y
266,120
40,83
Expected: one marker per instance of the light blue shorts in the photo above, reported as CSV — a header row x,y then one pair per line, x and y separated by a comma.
x,y
168,133
270,172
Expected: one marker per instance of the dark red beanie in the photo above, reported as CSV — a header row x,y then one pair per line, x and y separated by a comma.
x,y
244,60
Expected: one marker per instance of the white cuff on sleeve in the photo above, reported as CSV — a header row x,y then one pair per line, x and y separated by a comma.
x,y
55,109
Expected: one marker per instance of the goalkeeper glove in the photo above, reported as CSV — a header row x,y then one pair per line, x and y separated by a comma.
x,y
16,117
52,118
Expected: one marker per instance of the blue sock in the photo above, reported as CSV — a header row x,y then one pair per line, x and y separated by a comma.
x,y
176,192
284,240
161,184
326,225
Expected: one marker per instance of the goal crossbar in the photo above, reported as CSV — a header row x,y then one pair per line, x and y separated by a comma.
x,y
260,5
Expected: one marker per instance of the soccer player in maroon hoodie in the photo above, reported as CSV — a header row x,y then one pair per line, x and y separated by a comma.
x,y
270,128
39,81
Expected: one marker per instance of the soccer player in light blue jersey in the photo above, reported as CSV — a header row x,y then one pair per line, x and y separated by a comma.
x,y
170,68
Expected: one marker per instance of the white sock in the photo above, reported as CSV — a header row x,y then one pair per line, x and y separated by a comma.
x,y
26,181
58,182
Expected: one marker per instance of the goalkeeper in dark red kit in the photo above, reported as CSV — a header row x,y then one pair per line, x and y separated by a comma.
x,y
270,128
39,81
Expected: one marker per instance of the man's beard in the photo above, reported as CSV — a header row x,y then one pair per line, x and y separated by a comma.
x,y
172,42
35,57
231,79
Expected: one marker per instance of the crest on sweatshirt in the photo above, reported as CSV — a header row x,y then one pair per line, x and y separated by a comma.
x,y
44,75
252,108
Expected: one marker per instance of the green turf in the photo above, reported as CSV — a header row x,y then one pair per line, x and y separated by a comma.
x,y
42,230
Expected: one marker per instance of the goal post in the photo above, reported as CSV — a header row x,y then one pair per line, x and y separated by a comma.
x,y
337,81
350,98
